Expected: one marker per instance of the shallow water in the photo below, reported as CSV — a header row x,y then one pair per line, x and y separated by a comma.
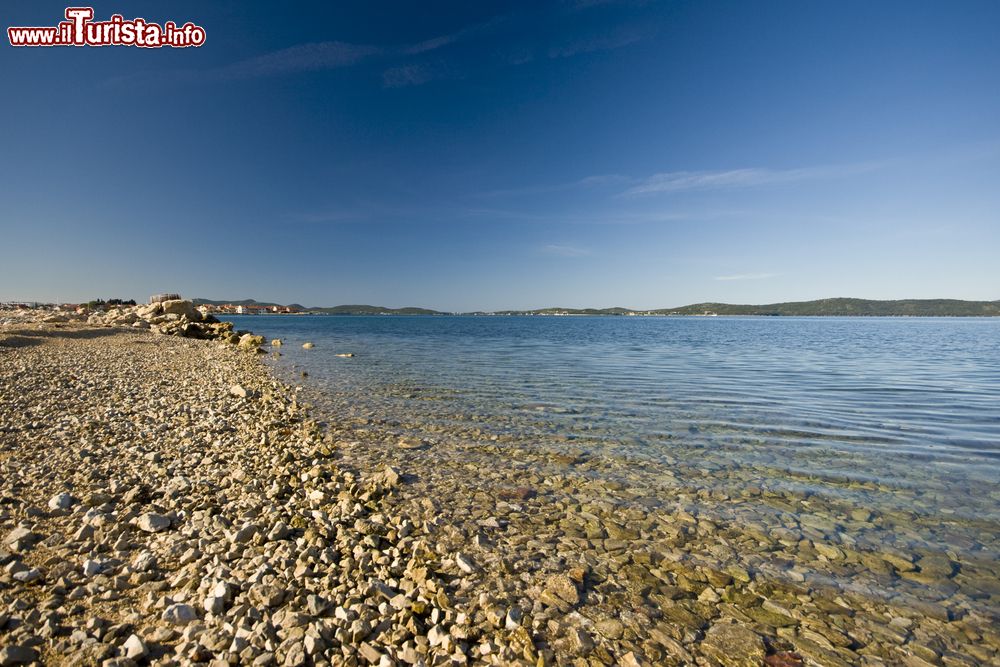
x,y
896,416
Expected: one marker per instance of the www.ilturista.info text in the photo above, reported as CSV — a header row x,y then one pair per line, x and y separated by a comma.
x,y
79,29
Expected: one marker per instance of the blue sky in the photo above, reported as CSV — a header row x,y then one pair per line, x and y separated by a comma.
x,y
509,155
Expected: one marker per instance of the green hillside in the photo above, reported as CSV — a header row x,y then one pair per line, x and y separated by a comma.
x,y
848,307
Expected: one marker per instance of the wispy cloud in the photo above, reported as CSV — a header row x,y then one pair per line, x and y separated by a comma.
x,y
681,181
616,40
564,250
314,57
747,276
410,75
332,55
459,35
582,183
587,4
300,58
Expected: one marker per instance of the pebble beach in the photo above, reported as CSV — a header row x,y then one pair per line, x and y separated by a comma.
x,y
165,499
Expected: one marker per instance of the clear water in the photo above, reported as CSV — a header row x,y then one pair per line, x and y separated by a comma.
x,y
894,415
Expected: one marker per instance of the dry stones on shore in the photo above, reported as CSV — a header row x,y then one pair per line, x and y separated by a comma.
x,y
199,527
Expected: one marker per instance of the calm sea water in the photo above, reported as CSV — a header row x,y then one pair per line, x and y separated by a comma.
x,y
893,414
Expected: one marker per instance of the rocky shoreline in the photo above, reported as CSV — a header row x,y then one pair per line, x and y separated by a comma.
x,y
166,500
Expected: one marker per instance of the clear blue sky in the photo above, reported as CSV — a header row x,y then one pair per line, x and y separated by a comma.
x,y
497,155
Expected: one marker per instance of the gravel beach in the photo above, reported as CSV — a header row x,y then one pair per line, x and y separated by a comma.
x,y
166,500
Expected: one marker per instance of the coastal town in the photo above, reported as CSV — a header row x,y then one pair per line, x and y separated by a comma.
x,y
205,308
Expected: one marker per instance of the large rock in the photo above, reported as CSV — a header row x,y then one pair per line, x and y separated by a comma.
x,y
181,307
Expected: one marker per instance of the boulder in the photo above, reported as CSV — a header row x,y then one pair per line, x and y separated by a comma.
x,y
181,307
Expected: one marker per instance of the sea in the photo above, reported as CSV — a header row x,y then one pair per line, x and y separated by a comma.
x,y
899,417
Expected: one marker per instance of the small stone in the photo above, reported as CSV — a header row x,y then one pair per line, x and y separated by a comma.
x,y
783,659
268,595
521,493
580,641
630,659
17,655
153,523
239,391
144,562
223,590
312,645
245,534
134,647
280,531
389,477
465,563
563,588
180,614
438,636
92,568
307,346
85,532
709,595
28,576
370,653
829,551
214,605
250,341
316,605
276,342
734,645
611,628
411,443
21,536
62,501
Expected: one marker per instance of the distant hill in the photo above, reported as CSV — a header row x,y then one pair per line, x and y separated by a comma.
x,y
848,307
